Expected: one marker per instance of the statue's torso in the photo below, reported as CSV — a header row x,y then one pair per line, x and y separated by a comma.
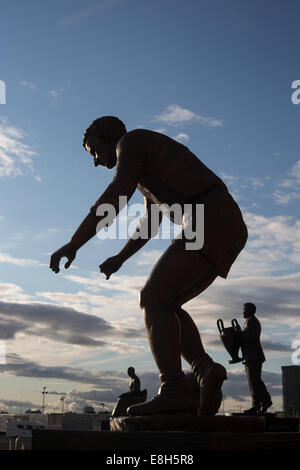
x,y
171,173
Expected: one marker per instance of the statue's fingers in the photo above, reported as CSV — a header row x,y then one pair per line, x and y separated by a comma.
x,y
68,263
102,268
54,264
51,265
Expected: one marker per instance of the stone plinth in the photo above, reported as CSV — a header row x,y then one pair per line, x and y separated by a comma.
x,y
189,423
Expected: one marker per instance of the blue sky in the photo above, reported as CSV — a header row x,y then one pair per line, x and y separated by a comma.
x,y
214,75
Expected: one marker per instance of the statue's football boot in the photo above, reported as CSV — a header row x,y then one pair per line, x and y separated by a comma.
x,y
210,380
177,394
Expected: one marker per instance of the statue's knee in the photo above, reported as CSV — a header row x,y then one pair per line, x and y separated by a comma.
x,y
152,299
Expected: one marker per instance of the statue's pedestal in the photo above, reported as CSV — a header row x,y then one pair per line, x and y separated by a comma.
x,y
189,423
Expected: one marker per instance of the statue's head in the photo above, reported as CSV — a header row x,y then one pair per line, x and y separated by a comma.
x,y
100,140
249,310
131,371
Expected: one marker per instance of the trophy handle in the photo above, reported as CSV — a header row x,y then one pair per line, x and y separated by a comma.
x,y
220,328
234,323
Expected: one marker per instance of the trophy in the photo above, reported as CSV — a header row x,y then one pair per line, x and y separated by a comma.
x,y
231,339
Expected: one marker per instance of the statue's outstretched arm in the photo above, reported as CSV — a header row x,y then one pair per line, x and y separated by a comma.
x,y
146,229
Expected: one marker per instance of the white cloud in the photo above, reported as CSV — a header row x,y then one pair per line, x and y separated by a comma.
x,y
129,284
7,258
274,240
175,115
284,198
229,179
257,183
290,186
161,130
15,156
244,182
13,293
148,257
181,137
273,247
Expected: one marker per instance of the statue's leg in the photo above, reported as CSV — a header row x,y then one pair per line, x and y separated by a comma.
x,y
178,270
192,348
253,370
264,396
191,345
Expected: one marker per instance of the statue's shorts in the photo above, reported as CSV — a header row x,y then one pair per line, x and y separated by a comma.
x,y
225,232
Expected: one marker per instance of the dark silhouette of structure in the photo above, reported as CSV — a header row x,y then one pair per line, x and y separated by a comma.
x,y
133,396
166,173
291,389
254,357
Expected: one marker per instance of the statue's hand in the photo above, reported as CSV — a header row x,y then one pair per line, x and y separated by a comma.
x,y
238,330
111,265
66,251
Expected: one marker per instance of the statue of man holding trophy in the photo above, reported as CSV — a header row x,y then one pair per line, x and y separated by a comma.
x,y
248,339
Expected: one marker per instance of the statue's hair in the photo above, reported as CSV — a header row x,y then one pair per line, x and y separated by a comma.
x,y
251,308
109,128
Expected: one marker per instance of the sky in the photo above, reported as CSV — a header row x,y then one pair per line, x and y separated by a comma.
x,y
216,76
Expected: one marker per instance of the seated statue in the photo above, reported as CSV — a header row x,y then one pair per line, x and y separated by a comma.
x,y
133,396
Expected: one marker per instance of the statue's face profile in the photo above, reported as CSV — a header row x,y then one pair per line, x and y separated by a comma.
x,y
103,152
246,312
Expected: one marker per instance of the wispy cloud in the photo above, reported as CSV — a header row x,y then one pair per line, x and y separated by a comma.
x,y
229,179
148,257
181,137
7,258
289,187
283,198
161,130
86,13
27,84
15,156
257,183
13,293
174,115
53,94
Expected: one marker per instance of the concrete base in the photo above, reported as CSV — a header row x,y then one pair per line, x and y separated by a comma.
x,y
188,423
